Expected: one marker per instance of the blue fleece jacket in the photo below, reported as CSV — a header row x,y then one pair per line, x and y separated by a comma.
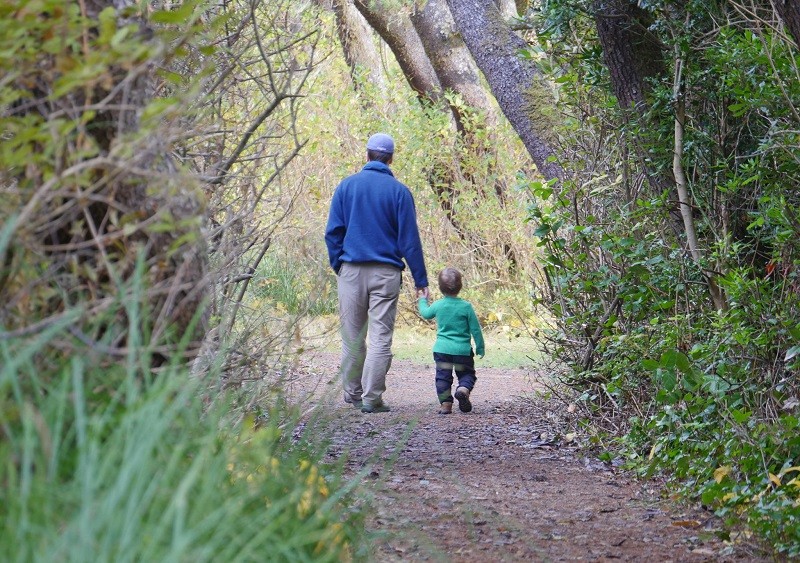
x,y
373,219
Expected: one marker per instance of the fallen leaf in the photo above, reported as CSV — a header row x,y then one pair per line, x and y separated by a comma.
x,y
687,523
721,472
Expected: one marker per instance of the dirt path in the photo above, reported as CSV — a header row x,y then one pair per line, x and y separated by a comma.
x,y
494,484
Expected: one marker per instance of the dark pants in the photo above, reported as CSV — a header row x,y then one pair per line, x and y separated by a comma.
x,y
464,366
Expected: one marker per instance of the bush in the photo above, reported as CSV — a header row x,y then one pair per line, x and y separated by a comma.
x,y
141,469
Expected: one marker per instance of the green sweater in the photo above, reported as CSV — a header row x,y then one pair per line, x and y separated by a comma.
x,y
456,321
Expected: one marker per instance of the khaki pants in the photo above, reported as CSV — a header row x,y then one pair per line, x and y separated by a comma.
x,y
368,295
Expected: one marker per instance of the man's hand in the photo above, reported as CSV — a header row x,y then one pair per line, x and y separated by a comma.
x,y
423,292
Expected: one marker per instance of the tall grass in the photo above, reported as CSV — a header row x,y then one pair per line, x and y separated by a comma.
x,y
295,288
105,461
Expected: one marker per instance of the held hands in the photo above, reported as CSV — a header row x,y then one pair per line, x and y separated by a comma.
x,y
423,292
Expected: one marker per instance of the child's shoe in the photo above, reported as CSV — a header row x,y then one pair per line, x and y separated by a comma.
x,y
446,407
462,395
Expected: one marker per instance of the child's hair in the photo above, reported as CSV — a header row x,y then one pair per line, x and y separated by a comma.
x,y
450,281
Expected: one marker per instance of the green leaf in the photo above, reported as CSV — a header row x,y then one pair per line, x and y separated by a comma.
x,y
650,365
668,359
178,15
791,353
668,379
683,363
740,416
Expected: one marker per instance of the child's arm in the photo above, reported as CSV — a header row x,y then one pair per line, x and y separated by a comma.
x,y
425,310
477,333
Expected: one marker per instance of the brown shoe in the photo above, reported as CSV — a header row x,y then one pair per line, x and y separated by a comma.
x,y
462,396
446,407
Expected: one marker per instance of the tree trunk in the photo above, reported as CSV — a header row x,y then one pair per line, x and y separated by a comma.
x,y
686,203
789,11
355,35
399,33
458,73
524,96
507,8
630,51
633,54
451,60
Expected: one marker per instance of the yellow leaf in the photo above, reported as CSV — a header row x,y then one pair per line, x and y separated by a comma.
x,y
687,523
788,469
721,472
774,479
727,497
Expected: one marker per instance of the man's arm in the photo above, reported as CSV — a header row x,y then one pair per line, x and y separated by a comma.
x,y
410,243
334,233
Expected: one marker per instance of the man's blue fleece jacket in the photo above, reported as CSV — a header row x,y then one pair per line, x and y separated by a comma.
x,y
373,219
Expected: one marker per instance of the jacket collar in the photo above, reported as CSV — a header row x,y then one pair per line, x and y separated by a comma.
x,y
378,166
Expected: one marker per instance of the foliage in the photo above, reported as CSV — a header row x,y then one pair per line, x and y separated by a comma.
x,y
707,395
286,286
483,231
132,137
87,167
109,463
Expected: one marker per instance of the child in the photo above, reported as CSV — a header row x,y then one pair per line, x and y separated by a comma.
x,y
456,322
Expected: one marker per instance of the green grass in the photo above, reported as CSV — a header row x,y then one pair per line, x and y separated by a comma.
x,y
504,350
108,462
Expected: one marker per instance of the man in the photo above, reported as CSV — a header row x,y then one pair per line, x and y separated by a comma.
x,y
372,228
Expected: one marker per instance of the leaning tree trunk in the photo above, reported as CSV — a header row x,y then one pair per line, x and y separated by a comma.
x,y
520,89
355,35
403,40
458,73
507,8
451,60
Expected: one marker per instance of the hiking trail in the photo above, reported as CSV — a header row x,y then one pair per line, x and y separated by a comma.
x,y
506,482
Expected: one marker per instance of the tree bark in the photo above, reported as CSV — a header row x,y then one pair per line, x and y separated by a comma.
x,y
789,11
522,93
507,8
633,54
403,40
451,60
684,197
630,51
355,35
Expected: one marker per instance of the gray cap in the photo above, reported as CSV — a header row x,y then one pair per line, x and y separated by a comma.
x,y
381,142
